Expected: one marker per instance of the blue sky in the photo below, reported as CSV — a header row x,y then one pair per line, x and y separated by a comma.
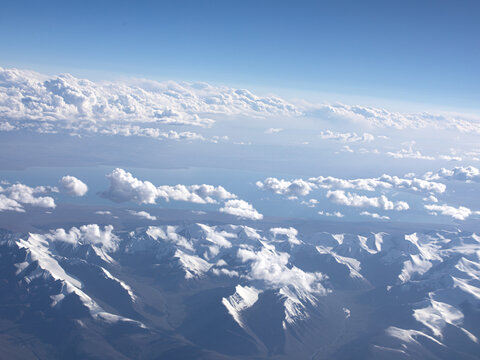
x,y
413,51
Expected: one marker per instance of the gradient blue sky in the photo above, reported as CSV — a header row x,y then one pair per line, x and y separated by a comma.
x,y
413,51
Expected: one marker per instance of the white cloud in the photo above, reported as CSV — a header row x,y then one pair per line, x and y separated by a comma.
x,y
241,209
87,234
346,137
273,131
125,187
65,103
310,203
409,153
296,187
450,158
15,196
273,268
7,204
460,213
346,148
431,198
348,199
335,214
142,214
384,118
300,187
73,186
374,215
460,173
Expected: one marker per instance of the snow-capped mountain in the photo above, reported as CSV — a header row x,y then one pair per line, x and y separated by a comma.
x,y
232,291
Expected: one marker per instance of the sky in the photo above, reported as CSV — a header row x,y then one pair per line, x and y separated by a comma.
x,y
411,51
341,111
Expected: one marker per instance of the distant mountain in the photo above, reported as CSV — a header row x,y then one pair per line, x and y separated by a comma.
x,y
198,291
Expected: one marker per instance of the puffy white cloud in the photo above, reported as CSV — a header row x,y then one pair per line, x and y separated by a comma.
x,y
241,209
296,187
273,268
346,137
142,214
15,196
348,199
300,187
65,103
125,187
73,186
7,204
460,173
460,213
87,234
374,215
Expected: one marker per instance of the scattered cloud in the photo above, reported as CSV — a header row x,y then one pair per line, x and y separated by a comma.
x,y
460,213
142,214
348,199
460,173
301,187
125,187
334,214
73,186
409,153
87,234
13,197
241,209
374,215
346,137
431,198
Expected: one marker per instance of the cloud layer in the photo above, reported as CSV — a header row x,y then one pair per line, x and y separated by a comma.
x,y
65,103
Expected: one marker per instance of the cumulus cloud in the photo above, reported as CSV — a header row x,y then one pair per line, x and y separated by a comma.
x,y
374,215
241,209
87,234
460,213
15,196
346,137
301,187
274,270
73,186
296,187
348,199
125,187
460,173
65,103
142,214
